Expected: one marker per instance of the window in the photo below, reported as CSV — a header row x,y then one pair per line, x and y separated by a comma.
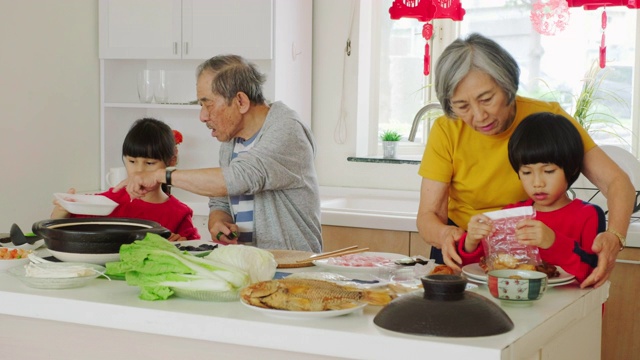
x,y
552,67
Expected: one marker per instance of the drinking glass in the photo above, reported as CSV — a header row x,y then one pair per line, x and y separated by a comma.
x,y
145,86
160,91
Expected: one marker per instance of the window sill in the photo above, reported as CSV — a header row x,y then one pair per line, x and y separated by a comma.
x,y
406,159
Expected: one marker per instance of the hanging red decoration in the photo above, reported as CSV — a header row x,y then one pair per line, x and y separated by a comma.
x,y
425,11
549,17
594,4
603,47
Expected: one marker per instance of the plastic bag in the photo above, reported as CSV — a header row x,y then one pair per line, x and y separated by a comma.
x,y
502,251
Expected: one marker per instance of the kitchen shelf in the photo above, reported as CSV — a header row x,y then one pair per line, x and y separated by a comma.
x,y
152,106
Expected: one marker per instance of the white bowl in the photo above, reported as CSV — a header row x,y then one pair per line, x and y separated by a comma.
x,y
86,204
10,263
13,253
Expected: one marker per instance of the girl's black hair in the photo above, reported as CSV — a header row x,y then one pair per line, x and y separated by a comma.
x,y
547,138
150,138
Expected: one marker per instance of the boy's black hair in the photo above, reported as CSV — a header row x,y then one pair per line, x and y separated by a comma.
x,y
150,138
547,138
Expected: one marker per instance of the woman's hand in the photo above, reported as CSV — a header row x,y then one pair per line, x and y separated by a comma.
x,y
607,246
58,211
450,235
535,233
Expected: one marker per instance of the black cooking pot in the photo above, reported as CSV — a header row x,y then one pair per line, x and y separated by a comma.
x,y
95,235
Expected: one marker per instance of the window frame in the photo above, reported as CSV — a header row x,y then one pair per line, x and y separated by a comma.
x,y
445,31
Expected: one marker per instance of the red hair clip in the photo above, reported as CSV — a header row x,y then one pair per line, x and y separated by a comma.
x,y
178,136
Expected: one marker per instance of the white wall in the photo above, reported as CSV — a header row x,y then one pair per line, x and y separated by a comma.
x,y
331,20
49,105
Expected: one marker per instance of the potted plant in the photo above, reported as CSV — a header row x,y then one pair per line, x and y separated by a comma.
x,y
590,109
390,139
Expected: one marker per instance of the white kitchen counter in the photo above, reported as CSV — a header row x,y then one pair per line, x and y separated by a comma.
x,y
106,320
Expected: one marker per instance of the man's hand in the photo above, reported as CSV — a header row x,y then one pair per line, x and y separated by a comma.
x,y
224,233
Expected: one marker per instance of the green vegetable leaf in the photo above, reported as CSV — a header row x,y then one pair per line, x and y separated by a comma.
x,y
157,266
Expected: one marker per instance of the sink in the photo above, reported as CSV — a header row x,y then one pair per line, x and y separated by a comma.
x,y
369,208
372,205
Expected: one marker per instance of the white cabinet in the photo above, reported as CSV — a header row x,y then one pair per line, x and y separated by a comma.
x,y
176,36
185,29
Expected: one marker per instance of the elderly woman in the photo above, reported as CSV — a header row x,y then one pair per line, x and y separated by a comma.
x,y
465,167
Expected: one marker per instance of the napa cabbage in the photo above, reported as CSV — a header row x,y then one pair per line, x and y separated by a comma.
x,y
158,267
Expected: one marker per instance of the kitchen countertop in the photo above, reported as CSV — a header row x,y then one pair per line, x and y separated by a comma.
x,y
111,309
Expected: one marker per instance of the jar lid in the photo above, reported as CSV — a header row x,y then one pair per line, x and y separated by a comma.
x,y
444,309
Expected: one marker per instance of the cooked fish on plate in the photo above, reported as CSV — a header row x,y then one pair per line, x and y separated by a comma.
x,y
310,295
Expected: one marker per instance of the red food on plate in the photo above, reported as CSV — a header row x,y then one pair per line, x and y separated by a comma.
x,y
360,260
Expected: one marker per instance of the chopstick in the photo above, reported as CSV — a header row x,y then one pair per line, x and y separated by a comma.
x,y
341,252
334,251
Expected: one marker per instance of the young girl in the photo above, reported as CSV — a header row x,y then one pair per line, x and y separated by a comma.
x,y
149,145
546,151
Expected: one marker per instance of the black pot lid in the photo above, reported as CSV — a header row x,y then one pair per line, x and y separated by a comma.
x,y
444,309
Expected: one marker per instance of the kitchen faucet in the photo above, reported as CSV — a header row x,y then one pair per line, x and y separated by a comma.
x,y
418,118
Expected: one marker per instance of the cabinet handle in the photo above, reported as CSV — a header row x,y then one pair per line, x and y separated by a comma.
x,y
175,48
186,48
633,262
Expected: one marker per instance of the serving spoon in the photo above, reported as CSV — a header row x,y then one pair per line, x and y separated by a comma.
x,y
18,238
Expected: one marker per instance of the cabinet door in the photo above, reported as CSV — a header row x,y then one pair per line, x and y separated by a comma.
x,y
418,246
621,317
390,241
140,29
241,27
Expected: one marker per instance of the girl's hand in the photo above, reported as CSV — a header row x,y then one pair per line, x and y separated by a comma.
x,y
479,227
176,237
58,211
535,233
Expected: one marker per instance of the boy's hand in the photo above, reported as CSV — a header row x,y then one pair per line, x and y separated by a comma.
x,y
535,233
479,227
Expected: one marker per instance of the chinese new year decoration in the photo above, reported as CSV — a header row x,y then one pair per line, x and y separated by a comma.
x,y
426,11
551,16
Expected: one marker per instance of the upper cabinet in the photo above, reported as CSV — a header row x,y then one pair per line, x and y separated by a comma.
x,y
185,29
176,36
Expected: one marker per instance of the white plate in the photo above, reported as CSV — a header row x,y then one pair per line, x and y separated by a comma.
x,y
326,263
303,314
86,204
196,244
99,259
475,272
56,283
36,245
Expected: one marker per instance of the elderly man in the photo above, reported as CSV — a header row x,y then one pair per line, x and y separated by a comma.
x,y
265,192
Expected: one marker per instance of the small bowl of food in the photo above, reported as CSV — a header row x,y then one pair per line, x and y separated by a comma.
x,y
12,257
513,285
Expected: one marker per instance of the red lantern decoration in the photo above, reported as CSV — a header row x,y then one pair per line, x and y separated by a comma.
x,y
594,4
425,11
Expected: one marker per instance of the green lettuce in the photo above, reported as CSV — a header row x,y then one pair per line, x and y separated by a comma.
x,y
157,266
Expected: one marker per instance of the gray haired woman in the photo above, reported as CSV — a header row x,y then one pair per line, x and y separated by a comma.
x,y
465,167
